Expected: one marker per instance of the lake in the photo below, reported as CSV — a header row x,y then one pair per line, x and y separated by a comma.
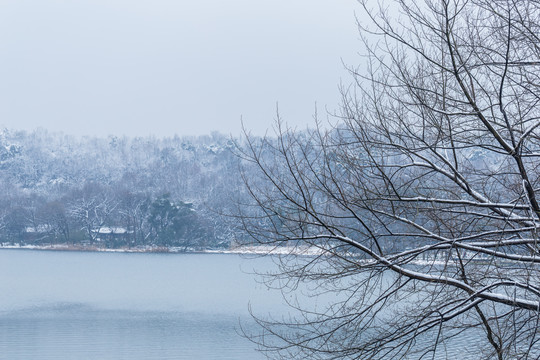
x,y
95,305
85,305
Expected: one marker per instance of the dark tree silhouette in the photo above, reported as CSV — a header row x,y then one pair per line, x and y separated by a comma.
x,y
422,200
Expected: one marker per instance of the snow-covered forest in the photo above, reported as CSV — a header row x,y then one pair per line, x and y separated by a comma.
x,y
116,191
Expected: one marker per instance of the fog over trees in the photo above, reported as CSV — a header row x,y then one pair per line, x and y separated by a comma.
x,y
421,200
116,192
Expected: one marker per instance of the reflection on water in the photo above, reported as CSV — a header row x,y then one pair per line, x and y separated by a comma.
x,y
66,305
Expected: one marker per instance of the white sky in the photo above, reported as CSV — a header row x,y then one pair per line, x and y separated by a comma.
x,y
140,67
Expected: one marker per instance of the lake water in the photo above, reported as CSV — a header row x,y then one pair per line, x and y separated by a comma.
x,y
83,305
86,305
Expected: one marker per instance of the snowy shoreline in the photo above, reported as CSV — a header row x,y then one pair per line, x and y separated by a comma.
x,y
242,250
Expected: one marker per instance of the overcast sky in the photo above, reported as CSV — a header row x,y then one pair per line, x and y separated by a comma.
x,y
140,67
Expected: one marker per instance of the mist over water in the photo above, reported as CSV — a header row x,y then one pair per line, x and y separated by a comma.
x,y
95,305
67,305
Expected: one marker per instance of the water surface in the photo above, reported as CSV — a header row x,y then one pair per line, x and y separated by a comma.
x,y
83,305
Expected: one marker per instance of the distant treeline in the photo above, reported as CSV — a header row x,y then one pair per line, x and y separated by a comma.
x,y
112,192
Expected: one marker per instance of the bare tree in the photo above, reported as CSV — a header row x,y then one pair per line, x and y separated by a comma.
x,y
422,200
133,209
91,207
54,217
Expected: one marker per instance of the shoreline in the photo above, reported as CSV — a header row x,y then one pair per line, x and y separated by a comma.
x,y
259,250
241,250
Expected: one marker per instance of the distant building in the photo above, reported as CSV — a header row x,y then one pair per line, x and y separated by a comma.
x,y
111,233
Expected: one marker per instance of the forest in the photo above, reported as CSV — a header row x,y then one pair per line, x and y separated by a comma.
x,y
117,192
